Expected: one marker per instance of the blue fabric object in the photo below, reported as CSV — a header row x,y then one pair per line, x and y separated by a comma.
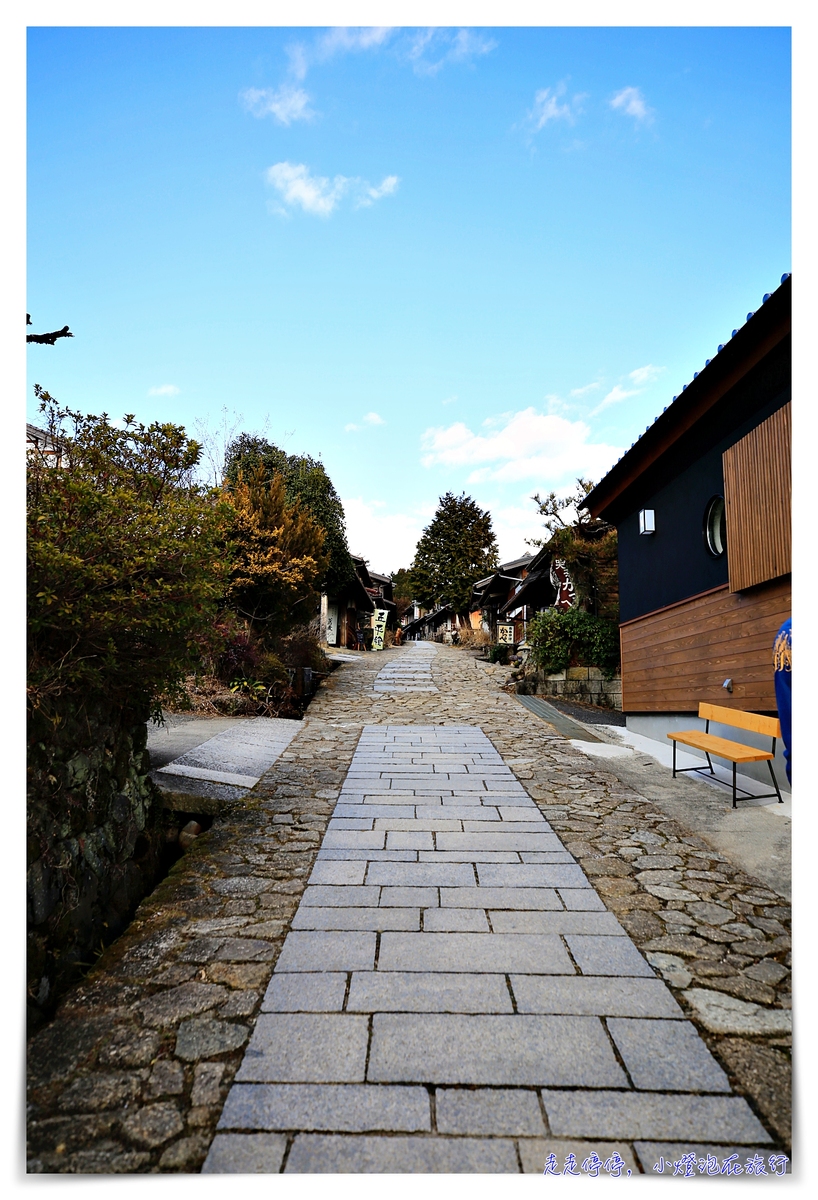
x,y
782,663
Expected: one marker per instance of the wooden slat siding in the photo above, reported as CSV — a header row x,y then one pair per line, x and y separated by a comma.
x,y
757,495
679,656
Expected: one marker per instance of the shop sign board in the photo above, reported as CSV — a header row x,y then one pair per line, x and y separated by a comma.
x,y
378,628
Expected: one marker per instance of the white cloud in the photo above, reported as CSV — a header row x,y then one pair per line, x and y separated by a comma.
x,y
631,102
449,400
547,107
647,374
370,194
583,391
642,376
513,524
314,193
459,47
523,445
387,540
287,103
614,396
164,389
370,418
343,40
318,195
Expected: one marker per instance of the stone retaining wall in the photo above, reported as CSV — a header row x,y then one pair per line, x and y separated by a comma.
x,y
586,684
94,843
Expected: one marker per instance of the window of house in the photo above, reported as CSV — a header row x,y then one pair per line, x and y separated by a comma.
x,y
715,527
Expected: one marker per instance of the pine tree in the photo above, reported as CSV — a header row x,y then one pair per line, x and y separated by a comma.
x,y
455,550
306,480
277,556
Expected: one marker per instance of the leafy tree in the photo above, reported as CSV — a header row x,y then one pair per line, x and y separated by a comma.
x,y
588,547
277,555
125,567
457,548
305,479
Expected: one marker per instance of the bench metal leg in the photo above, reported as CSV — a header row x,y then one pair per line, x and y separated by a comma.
x,y
674,759
709,763
775,782
734,785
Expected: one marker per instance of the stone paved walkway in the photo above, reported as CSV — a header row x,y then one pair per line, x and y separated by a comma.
x,y
451,972
456,944
411,673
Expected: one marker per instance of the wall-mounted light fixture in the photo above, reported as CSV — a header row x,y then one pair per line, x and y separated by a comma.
x,y
728,685
647,520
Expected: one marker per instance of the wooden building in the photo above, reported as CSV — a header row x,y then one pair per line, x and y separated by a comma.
x,y
702,506
493,595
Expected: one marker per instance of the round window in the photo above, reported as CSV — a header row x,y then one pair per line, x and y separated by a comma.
x,y
715,527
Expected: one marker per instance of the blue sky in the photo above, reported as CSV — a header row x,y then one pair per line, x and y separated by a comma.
x,y
467,259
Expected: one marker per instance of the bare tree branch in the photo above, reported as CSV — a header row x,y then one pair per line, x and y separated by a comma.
x,y
47,339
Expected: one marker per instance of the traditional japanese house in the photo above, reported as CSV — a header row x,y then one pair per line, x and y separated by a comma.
x,y
702,506
538,589
381,593
342,612
490,595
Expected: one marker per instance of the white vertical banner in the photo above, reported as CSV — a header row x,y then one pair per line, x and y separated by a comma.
x,y
378,628
332,624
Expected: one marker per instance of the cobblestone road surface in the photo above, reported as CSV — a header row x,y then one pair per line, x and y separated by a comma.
x,y
439,938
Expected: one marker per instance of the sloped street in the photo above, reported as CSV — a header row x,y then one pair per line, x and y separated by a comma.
x,y
435,936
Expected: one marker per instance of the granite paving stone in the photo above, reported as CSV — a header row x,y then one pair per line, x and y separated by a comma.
x,y
245,1154
455,920
408,897
306,1048
319,991
648,1116
328,895
535,1151
606,955
307,950
531,875
581,899
666,1056
526,952
502,898
338,873
407,919
420,874
346,1107
593,995
529,921
452,1048
510,1111
336,1154
416,991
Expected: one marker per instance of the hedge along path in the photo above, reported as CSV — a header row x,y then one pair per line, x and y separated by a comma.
x,y
133,1073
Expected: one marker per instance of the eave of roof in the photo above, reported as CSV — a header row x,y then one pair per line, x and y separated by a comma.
x,y
760,334
529,585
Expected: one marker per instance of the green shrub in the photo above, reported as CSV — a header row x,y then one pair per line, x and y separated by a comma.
x,y
126,564
499,653
573,639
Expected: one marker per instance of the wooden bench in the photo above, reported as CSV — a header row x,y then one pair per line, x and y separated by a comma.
x,y
734,752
